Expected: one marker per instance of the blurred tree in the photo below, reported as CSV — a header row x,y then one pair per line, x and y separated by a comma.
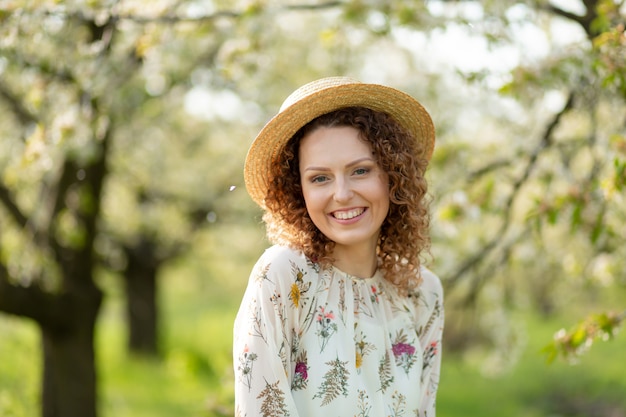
x,y
78,82
549,175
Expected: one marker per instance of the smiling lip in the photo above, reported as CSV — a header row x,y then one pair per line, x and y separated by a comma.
x,y
348,214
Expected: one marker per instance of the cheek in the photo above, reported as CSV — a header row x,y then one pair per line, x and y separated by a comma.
x,y
316,204
311,199
383,188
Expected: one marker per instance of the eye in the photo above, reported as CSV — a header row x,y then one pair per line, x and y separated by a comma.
x,y
361,171
319,179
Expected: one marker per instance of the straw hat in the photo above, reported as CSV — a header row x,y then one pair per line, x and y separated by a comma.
x,y
321,97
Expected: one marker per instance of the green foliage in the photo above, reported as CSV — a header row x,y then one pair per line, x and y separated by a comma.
x,y
610,47
619,179
593,387
573,343
544,205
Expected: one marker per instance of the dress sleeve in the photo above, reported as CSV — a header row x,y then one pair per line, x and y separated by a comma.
x,y
431,333
261,344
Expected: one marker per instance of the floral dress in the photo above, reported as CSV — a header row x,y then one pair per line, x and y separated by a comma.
x,y
312,342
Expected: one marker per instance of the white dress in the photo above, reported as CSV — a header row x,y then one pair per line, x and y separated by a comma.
x,y
318,342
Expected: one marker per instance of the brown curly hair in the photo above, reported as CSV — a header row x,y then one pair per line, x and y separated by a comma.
x,y
404,233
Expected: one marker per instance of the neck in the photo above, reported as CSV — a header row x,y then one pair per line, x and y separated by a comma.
x,y
361,263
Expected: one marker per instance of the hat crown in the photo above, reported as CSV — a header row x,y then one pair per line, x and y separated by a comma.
x,y
314,87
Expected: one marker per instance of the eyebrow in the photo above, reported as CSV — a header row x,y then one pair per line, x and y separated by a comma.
x,y
350,164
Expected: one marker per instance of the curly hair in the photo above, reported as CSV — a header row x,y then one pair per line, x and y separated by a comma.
x,y
404,233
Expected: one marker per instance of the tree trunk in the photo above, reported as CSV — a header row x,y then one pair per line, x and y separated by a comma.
x,y
141,293
69,368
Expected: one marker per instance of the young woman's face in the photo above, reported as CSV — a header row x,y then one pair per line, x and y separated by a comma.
x,y
345,191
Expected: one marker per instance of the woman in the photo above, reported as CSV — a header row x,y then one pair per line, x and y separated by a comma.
x,y
340,318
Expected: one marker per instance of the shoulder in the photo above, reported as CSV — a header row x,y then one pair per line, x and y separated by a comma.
x,y
280,264
278,256
430,289
431,284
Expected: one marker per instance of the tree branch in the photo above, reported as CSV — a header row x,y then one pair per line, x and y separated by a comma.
x,y
96,173
32,302
584,21
546,141
19,110
172,17
314,6
565,14
490,167
480,280
8,201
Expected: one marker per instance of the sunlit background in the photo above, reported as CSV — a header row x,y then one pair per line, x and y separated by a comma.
x,y
125,125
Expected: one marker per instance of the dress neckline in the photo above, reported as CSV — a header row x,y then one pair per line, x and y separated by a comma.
x,y
376,276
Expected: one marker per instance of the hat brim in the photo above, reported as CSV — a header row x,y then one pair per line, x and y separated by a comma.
x,y
276,133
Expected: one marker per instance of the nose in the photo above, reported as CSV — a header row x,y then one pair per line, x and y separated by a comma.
x,y
343,191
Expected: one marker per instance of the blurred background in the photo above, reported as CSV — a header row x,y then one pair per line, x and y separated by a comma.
x,y
127,237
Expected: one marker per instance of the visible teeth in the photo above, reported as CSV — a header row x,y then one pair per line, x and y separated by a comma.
x,y
345,215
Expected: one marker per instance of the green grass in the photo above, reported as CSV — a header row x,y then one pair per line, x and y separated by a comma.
x,y
19,367
533,388
193,378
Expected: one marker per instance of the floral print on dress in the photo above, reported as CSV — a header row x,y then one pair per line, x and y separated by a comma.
x,y
397,407
273,404
311,340
374,293
335,382
261,275
299,287
363,404
429,355
362,349
403,351
342,300
256,326
246,362
364,301
436,314
384,373
301,373
326,326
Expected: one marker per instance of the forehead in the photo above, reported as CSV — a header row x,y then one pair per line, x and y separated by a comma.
x,y
333,144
